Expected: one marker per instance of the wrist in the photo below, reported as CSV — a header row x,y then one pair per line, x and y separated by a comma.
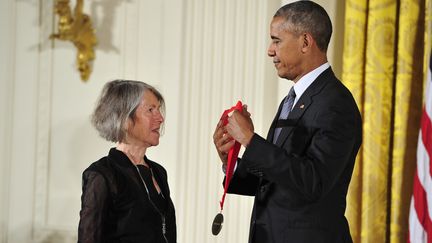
x,y
248,139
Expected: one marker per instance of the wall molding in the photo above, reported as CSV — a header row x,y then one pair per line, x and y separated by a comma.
x,y
7,19
43,123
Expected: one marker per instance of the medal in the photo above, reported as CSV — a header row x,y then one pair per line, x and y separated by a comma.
x,y
217,224
232,160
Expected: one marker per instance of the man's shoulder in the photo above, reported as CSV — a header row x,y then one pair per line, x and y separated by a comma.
x,y
332,85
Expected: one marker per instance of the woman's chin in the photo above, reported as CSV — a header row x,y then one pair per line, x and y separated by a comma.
x,y
155,143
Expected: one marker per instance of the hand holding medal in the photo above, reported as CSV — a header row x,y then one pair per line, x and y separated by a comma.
x,y
232,160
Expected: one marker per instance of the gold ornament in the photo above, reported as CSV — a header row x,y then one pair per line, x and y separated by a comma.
x,y
78,29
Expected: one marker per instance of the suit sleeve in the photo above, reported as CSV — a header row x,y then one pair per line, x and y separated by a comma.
x,y
329,150
94,203
242,182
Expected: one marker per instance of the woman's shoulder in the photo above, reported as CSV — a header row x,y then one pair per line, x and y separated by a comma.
x,y
101,164
103,167
104,163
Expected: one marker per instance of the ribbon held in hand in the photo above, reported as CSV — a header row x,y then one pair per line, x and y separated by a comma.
x,y
231,162
233,152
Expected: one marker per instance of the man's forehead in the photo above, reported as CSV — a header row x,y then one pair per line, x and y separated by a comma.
x,y
277,20
278,23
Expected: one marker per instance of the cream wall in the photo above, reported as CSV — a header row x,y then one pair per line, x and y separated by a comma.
x,y
203,55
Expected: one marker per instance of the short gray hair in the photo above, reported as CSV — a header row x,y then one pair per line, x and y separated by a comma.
x,y
307,16
118,102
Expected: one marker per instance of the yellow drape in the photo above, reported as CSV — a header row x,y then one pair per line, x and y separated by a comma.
x,y
385,45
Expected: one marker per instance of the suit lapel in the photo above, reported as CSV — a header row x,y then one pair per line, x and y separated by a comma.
x,y
294,116
302,104
270,133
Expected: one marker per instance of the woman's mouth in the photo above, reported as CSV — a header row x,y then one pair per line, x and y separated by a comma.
x,y
156,130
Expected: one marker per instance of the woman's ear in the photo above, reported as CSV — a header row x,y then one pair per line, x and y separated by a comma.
x,y
128,124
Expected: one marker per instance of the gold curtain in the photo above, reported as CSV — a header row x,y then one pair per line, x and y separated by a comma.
x,y
384,59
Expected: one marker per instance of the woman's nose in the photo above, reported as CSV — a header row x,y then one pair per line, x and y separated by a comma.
x,y
160,117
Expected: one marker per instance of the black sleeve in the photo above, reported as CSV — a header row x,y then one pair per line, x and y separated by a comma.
x,y
94,204
243,182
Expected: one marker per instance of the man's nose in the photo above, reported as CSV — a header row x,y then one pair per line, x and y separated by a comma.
x,y
271,51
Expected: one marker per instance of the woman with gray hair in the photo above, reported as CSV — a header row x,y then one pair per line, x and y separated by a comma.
x,y
126,196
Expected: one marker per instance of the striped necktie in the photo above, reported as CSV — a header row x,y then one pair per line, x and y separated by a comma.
x,y
286,108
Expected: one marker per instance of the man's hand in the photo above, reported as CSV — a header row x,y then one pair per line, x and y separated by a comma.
x,y
223,142
240,126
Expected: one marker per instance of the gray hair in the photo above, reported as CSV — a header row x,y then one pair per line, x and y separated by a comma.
x,y
307,16
117,103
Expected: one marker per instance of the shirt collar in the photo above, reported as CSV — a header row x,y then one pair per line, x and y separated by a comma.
x,y
305,81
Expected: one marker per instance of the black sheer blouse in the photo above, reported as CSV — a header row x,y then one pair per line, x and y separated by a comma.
x,y
120,204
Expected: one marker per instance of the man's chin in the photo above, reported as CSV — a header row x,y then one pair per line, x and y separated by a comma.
x,y
285,75
282,75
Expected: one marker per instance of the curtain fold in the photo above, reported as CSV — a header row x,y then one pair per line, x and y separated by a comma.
x,y
353,76
383,66
408,106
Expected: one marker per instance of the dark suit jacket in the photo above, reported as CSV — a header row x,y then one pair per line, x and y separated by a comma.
x,y
300,183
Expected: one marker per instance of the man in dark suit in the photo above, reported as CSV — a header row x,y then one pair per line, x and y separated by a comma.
x,y
300,174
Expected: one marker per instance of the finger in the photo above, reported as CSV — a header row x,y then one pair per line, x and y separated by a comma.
x,y
239,115
229,126
220,130
226,138
234,116
226,147
233,113
245,111
219,124
231,130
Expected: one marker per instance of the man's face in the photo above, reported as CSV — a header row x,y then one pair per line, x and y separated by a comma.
x,y
285,49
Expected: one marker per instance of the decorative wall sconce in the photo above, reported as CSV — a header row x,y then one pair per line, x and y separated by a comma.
x,y
78,29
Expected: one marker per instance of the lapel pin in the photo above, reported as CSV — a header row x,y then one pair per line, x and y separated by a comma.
x,y
301,106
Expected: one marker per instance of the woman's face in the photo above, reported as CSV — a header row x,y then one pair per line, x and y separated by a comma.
x,y
144,127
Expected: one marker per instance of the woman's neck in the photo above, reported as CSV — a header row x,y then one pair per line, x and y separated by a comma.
x,y
134,153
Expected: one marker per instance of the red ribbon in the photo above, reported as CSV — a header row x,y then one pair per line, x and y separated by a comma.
x,y
233,152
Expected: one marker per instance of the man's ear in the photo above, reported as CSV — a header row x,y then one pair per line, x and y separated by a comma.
x,y
307,42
